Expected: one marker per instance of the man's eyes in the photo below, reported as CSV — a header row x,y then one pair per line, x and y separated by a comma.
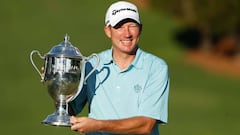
x,y
131,26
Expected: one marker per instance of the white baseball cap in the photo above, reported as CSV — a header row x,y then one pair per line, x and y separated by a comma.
x,y
120,11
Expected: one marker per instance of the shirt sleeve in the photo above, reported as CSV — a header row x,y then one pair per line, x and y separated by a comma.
x,y
154,99
79,102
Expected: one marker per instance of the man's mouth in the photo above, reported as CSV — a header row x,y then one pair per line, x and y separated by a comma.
x,y
126,41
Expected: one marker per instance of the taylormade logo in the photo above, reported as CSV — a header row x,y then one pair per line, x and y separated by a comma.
x,y
114,12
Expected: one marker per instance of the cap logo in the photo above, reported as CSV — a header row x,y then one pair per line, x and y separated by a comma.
x,y
114,12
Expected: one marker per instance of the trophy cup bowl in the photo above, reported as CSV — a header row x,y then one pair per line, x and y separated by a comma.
x,y
64,75
62,78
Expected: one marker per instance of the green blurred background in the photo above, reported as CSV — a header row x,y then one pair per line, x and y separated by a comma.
x,y
200,102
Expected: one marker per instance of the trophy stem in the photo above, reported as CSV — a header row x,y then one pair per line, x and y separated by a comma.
x,y
60,117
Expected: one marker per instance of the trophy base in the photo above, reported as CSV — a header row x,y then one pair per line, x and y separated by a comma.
x,y
57,120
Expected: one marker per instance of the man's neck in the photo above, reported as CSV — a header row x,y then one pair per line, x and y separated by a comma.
x,y
123,60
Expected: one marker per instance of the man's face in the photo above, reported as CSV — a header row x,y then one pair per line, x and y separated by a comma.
x,y
124,38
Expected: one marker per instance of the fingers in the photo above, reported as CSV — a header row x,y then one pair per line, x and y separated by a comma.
x,y
75,127
73,120
75,124
81,124
42,68
42,72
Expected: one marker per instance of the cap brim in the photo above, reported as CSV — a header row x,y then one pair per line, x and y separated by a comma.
x,y
120,23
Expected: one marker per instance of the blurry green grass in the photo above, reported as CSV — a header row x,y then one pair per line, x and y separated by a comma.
x,y
200,102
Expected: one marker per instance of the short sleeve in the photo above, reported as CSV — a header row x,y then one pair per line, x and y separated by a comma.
x,y
79,102
154,98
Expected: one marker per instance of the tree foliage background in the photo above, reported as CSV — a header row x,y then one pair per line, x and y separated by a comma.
x,y
213,18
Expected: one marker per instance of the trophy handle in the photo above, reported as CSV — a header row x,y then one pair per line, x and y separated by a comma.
x,y
94,68
83,79
35,67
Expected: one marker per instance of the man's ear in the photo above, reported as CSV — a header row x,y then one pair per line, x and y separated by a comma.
x,y
140,28
107,31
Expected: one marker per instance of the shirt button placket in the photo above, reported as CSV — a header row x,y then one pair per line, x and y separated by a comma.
x,y
118,82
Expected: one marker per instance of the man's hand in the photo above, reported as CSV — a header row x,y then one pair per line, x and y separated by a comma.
x,y
83,124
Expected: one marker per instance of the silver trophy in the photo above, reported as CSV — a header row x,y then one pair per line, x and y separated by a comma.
x,y
63,75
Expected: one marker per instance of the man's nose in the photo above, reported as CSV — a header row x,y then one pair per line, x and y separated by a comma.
x,y
127,32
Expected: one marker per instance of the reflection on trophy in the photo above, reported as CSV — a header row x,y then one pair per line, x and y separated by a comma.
x,y
63,75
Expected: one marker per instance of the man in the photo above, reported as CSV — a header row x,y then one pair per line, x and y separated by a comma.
x,y
128,93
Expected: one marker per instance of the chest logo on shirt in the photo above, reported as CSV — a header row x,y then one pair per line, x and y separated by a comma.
x,y
137,88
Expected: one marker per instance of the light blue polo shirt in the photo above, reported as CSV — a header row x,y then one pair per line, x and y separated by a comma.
x,y
140,90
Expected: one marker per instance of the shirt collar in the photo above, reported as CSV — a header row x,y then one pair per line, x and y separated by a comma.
x,y
108,59
137,62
